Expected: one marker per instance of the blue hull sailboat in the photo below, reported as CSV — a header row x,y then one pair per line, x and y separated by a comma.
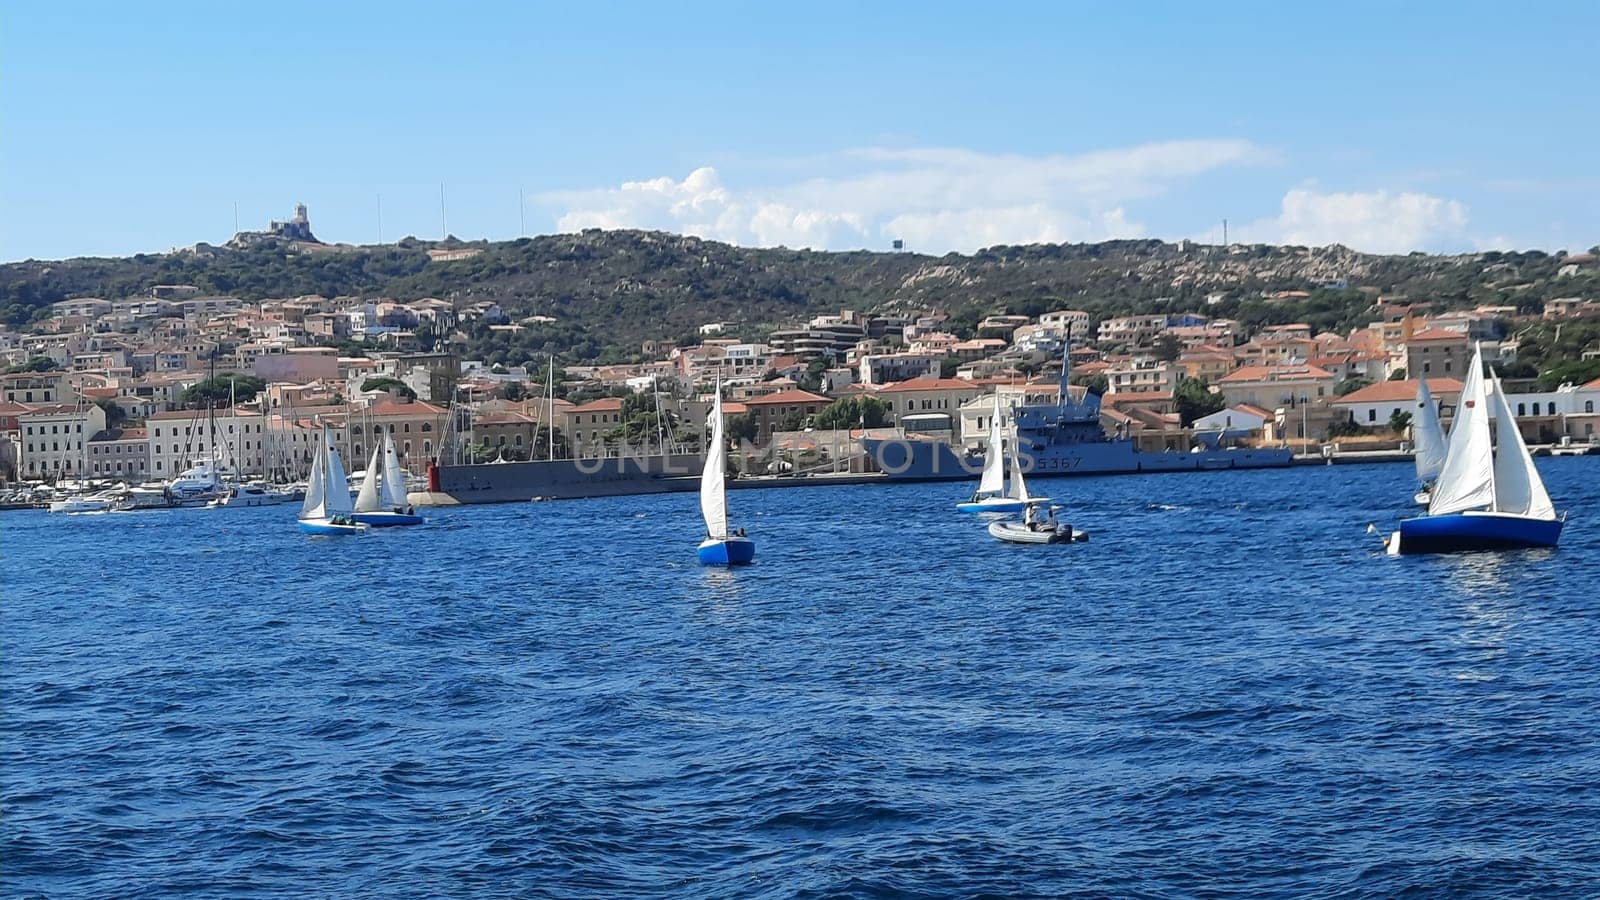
x,y
381,502
720,547
327,506
1486,498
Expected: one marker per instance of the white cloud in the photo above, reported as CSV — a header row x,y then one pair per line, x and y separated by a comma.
x,y
1373,221
937,199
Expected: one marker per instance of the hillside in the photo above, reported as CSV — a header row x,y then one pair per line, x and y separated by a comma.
x,y
609,290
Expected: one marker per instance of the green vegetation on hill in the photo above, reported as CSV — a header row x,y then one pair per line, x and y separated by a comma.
x,y
610,290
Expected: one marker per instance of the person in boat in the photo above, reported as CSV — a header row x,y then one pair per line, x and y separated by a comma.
x,y
1030,517
1050,520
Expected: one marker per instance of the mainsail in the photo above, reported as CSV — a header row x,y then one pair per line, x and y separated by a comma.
x,y
1517,486
1019,488
993,479
313,507
394,477
713,502
336,499
367,499
1429,436
1467,479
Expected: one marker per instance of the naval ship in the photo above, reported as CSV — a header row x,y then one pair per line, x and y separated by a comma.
x,y
1064,438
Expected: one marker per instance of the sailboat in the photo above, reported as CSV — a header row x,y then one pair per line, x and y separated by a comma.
x,y
1429,438
990,495
1484,499
327,505
381,502
721,547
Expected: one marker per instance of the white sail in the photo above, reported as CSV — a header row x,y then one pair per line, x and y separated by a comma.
x,y
713,500
394,477
1019,488
314,506
367,499
993,479
336,487
1428,434
1517,486
1467,479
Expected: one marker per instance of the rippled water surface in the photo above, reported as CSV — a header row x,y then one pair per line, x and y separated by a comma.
x,y
1227,690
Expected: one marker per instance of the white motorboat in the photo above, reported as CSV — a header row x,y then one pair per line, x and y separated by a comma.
x,y
253,493
82,503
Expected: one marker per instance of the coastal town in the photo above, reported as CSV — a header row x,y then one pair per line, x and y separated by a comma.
x,y
134,389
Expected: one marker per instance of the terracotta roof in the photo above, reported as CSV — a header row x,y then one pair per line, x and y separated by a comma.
x,y
222,413
1437,334
730,408
501,418
1137,397
790,396
1253,410
1274,373
399,408
604,404
119,434
52,409
1593,384
927,383
1390,391
7,408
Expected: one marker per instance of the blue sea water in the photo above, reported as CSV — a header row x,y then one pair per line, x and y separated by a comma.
x,y
1228,691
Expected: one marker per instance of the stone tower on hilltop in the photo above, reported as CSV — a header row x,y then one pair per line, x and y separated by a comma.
x,y
296,230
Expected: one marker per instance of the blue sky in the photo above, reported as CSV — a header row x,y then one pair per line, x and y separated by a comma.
x,y
1387,127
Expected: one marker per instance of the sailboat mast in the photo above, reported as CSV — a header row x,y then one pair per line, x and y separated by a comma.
x,y
550,408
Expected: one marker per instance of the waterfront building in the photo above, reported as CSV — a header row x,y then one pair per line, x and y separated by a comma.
x,y
55,438
774,412
508,433
586,424
1270,387
177,439
121,453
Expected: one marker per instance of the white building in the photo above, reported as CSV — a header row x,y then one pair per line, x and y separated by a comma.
x,y
888,368
88,307
55,439
179,439
1147,378
1074,320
